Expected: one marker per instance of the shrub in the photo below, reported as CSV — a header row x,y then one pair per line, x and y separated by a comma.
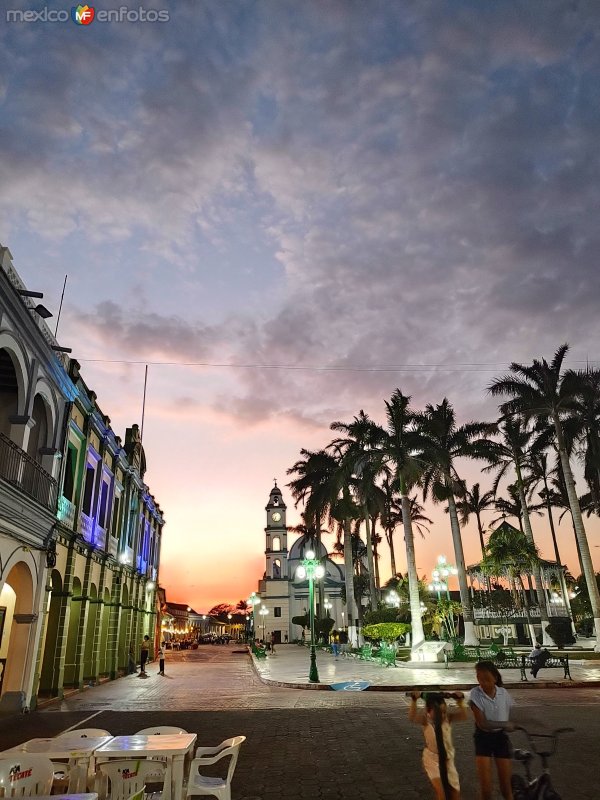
x,y
388,631
560,631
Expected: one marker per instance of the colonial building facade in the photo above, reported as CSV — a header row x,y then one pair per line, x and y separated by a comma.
x,y
283,596
79,530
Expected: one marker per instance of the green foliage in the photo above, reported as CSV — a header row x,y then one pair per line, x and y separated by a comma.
x,y
386,614
323,627
560,631
387,631
580,604
303,620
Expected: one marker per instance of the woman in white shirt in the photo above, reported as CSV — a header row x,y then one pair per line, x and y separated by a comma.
x,y
491,705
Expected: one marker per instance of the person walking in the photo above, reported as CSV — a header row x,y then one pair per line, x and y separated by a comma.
x,y
144,653
273,643
161,659
491,705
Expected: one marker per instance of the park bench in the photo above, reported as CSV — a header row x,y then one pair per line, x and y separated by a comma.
x,y
366,652
554,662
501,657
259,652
387,656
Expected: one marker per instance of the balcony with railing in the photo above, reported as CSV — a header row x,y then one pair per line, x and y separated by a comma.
x,y
25,474
66,512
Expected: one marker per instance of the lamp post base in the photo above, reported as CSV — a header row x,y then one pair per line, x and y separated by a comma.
x,y
313,674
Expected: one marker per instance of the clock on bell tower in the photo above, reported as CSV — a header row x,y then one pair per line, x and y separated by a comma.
x,y
276,536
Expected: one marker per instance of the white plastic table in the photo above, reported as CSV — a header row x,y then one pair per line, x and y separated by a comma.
x,y
77,751
171,746
85,796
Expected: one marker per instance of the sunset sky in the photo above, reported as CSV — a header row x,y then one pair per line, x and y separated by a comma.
x,y
289,209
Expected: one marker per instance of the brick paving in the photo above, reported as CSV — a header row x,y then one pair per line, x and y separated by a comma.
x,y
306,745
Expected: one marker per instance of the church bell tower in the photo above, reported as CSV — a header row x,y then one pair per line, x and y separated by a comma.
x,y
276,552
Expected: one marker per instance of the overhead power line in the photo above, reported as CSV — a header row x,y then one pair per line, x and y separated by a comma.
x,y
447,367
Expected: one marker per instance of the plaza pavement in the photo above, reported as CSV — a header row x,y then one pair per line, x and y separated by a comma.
x,y
307,745
289,667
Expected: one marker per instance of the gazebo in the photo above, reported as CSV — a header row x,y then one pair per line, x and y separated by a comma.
x,y
501,613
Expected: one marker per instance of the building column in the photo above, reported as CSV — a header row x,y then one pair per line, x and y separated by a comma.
x,y
60,649
83,620
114,626
98,626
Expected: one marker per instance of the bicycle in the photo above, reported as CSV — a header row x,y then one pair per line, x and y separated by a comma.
x,y
539,788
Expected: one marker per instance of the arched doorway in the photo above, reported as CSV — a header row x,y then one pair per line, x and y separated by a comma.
x,y
50,674
73,632
38,436
17,638
9,392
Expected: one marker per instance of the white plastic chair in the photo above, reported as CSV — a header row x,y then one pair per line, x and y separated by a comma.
x,y
23,775
61,785
127,777
158,729
83,733
215,787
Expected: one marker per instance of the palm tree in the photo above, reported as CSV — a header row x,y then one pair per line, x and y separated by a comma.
x,y
473,502
511,507
510,553
507,454
539,472
391,517
443,442
543,393
358,446
584,426
398,445
315,486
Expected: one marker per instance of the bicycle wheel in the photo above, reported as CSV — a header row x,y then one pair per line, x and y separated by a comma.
x,y
519,787
544,789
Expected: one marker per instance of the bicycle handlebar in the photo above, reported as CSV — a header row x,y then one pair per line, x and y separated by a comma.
x,y
550,735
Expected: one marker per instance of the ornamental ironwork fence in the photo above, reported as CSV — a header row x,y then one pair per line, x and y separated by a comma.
x,y
25,474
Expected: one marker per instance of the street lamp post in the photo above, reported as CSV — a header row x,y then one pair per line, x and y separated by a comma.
x,y
263,612
439,584
311,568
393,599
253,601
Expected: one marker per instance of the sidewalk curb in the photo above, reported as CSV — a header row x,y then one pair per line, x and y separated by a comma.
x,y
434,686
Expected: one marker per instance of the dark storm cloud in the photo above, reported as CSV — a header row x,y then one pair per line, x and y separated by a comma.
x,y
427,175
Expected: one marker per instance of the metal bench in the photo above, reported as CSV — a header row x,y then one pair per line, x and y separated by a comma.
x,y
366,652
387,656
259,652
554,662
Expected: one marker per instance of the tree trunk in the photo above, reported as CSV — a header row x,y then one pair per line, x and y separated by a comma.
x,y
376,559
480,530
471,639
370,560
416,620
584,547
563,584
320,584
527,614
390,540
349,581
537,573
